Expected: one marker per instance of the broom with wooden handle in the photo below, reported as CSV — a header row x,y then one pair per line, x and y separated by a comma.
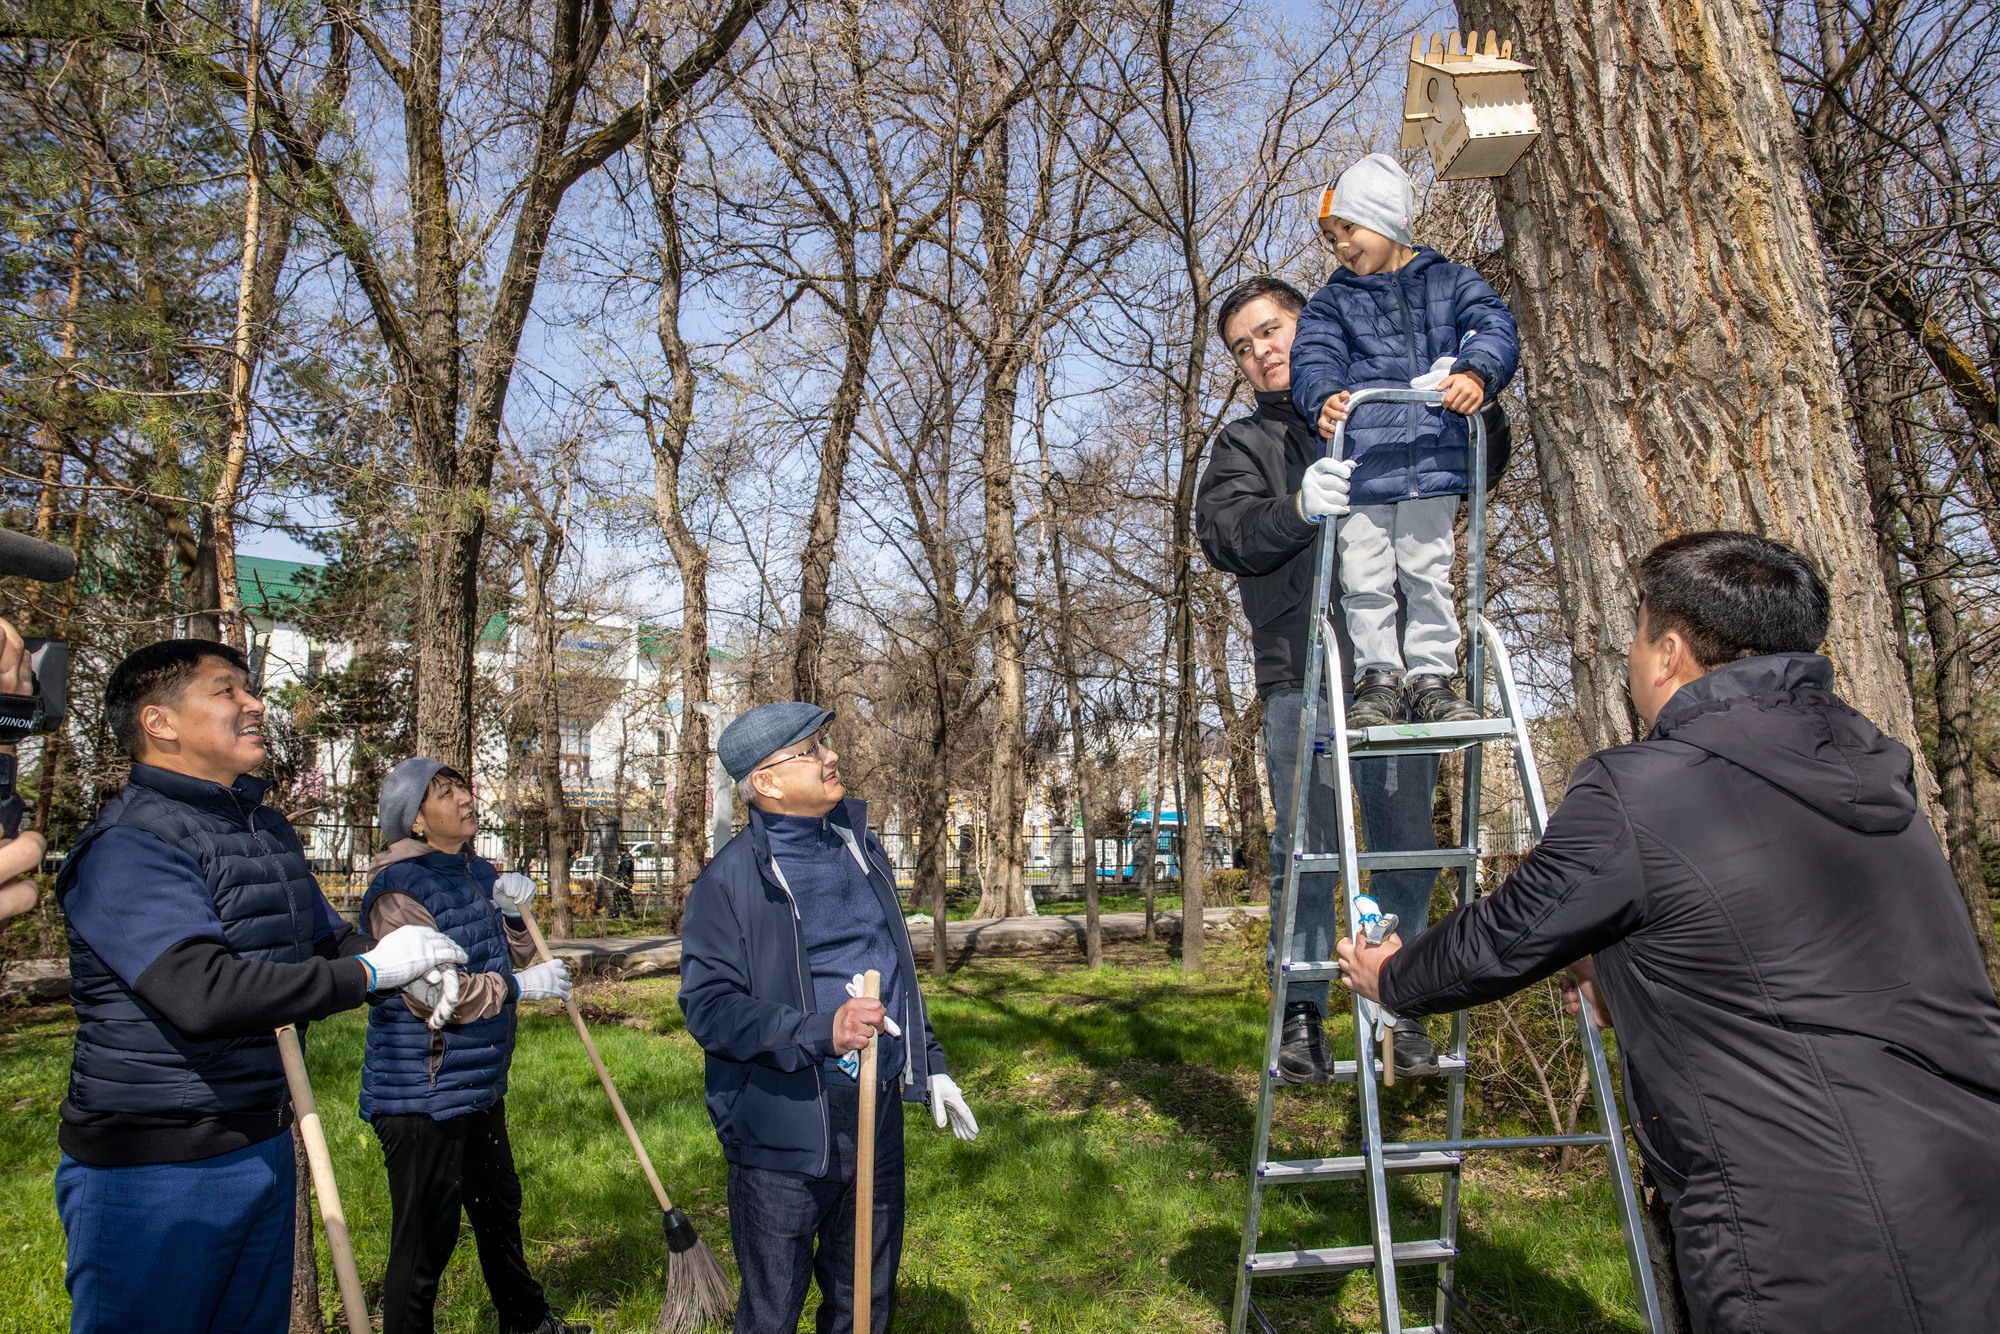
x,y
864,1172
698,1292
352,1299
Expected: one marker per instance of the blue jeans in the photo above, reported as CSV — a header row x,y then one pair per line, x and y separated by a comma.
x,y
1395,796
181,1248
788,1228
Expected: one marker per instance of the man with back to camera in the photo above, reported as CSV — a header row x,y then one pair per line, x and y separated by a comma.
x,y
1811,1046
780,928
1267,493
195,929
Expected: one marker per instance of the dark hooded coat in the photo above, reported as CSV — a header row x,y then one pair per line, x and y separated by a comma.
x,y
1811,1047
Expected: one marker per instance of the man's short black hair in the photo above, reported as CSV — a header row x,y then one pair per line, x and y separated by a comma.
x,y
1287,296
1733,595
153,675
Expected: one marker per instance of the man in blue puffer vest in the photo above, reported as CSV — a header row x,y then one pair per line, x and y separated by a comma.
x,y
434,1079
1396,316
195,929
779,930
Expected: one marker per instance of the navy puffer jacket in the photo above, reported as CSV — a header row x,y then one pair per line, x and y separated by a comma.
x,y
462,1068
127,1058
1384,330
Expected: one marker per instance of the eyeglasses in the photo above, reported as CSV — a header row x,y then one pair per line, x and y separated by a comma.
x,y
822,742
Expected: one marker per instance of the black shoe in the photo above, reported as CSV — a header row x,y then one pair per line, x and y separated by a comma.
x,y
1432,700
1302,1051
1415,1053
553,1324
1378,699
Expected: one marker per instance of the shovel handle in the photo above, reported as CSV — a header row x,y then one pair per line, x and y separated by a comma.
x,y
864,1171
352,1299
603,1075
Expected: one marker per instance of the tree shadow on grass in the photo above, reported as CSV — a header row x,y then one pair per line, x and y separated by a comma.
x,y
922,1308
1505,1290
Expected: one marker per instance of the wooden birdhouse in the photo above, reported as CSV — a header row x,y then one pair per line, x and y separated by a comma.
x,y
1469,107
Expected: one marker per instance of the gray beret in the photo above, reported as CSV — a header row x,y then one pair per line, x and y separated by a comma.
x,y
764,729
402,793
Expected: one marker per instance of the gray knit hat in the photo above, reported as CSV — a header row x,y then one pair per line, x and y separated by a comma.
x,y
403,792
1375,193
765,729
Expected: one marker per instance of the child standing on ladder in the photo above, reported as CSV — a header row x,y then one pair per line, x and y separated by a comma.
x,y
1399,315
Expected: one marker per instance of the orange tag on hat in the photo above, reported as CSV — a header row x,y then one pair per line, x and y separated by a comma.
x,y
1326,203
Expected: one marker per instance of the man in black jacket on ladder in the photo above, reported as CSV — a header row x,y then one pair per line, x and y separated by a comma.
x,y
1262,502
1811,1045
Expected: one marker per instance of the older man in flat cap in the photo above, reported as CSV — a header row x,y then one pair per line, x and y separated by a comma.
x,y
780,928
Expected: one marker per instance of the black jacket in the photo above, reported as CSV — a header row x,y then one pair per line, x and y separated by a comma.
x,y
1811,1046
746,989
1249,525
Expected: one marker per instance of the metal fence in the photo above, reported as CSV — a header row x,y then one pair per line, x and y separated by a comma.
x,y
1053,865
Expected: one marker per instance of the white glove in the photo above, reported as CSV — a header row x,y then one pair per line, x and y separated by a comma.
x,y
854,989
437,991
406,954
544,981
947,1101
1323,493
513,892
1435,376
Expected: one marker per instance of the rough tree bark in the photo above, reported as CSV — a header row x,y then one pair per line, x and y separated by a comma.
x,y
1675,327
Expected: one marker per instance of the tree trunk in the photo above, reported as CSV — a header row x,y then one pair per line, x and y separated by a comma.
x,y
1886,430
669,448
933,812
1144,856
1002,890
244,348
1674,318
1240,728
1079,762
307,1318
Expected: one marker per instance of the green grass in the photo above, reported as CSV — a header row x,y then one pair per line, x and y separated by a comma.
x,y
1104,1193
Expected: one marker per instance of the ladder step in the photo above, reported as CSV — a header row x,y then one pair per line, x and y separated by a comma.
x,y
1421,738
1327,969
1345,1258
1343,1071
1299,1171
1422,859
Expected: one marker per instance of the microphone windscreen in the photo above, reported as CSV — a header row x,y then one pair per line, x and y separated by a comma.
x,y
30,558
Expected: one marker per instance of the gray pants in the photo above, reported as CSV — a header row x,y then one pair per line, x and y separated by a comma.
x,y
1395,796
1408,543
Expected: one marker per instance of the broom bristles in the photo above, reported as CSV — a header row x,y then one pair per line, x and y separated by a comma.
x,y
699,1293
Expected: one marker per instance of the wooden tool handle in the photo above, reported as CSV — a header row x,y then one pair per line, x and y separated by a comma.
x,y
864,1170
352,1298
603,1075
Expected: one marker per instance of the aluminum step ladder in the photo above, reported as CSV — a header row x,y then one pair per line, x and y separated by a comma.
x,y
1378,1160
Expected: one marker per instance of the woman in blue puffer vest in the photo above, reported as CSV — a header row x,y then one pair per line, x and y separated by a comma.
x,y
434,1079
